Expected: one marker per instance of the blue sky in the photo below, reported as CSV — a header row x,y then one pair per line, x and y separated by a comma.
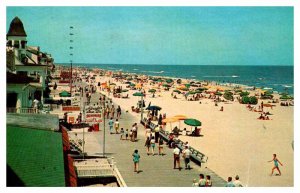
x,y
162,35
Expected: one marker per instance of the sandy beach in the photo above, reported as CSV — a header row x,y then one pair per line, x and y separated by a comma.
x,y
235,141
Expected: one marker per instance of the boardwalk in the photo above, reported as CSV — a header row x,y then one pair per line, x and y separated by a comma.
x,y
156,171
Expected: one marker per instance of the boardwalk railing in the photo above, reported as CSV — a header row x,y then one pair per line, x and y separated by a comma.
x,y
22,110
196,156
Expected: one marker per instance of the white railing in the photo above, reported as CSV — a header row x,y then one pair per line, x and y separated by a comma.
x,y
22,110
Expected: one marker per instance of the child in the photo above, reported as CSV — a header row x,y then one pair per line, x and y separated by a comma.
x,y
126,134
152,142
130,135
195,183
117,125
276,165
122,134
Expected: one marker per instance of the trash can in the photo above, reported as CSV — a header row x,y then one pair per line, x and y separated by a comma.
x,y
96,127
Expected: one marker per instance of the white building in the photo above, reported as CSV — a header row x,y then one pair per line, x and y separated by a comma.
x,y
26,63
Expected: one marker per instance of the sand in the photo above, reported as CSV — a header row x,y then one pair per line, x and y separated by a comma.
x,y
235,141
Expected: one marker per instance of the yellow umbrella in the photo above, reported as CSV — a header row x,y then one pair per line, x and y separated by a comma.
x,y
179,118
169,120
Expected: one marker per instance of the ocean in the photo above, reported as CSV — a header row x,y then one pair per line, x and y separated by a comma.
x,y
279,78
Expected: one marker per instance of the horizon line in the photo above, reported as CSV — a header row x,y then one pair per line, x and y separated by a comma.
x,y
68,63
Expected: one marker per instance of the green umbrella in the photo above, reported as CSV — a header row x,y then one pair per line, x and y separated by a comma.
x,y
166,85
202,89
187,85
192,122
191,92
132,84
218,93
178,91
169,80
286,97
138,94
184,89
125,90
64,94
152,90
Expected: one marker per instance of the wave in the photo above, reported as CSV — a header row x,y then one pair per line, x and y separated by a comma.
x,y
193,76
232,76
156,72
287,86
135,69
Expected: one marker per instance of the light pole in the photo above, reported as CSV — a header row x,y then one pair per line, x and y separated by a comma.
x,y
103,109
71,56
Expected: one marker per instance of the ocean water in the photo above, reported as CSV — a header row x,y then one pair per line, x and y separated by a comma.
x,y
279,78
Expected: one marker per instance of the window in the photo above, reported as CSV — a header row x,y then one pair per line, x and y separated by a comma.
x,y
16,44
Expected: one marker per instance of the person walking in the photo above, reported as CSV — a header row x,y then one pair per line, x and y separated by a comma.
x,y
208,182
152,142
276,166
134,131
160,146
122,133
202,181
176,153
147,144
186,155
117,125
229,182
156,134
119,112
136,160
111,124
237,182
126,134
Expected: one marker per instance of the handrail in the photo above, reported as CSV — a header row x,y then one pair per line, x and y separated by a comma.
x,y
196,155
22,110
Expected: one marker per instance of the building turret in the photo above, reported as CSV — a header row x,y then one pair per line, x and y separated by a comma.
x,y
16,38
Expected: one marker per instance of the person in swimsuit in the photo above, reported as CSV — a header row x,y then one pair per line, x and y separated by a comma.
x,y
276,166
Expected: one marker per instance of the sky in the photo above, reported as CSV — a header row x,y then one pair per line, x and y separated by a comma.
x,y
162,35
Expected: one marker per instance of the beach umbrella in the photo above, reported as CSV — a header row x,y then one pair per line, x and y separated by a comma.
x,y
125,90
218,93
127,82
64,94
153,108
152,90
138,94
132,84
112,84
166,85
180,118
178,91
190,92
138,85
169,120
169,80
187,85
192,122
